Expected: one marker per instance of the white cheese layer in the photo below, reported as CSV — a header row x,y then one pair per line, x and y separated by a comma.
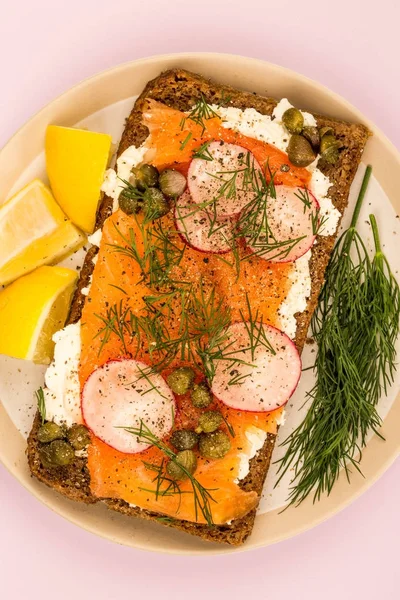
x,y
281,420
284,105
299,292
256,438
81,453
319,186
62,391
113,184
253,124
261,127
95,238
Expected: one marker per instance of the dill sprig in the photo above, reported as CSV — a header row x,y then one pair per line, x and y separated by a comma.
x,y
41,403
202,496
229,181
118,321
209,313
149,211
165,520
225,99
130,247
151,330
203,152
165,486
165,254
355,325
218,346
255,329
384,298
132,192
211,318
229,427
159,255
185,141
200,112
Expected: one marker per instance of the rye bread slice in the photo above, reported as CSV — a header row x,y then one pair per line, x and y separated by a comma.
x,y
180,89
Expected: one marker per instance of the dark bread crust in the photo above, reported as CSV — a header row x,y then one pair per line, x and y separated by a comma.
x,y
180,89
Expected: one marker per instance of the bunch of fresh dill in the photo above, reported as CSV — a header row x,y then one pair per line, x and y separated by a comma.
x,y
356,325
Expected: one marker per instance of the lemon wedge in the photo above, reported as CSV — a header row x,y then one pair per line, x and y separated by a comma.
x,y
76,161
34,231
32,309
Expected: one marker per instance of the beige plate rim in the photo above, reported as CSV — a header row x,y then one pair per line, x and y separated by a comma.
x,y
122,82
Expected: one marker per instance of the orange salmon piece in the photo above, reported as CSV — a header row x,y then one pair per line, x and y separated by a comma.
x,y
117,282
174,138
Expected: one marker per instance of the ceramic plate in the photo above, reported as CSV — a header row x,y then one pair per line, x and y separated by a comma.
x,y
101,104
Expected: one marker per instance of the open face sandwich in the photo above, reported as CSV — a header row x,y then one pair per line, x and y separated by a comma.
x,y
184,337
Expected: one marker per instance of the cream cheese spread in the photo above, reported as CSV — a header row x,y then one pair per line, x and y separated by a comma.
x,y
62,391
114,179
256,438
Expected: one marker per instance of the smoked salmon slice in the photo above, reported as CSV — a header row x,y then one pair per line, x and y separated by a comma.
x,y
119,288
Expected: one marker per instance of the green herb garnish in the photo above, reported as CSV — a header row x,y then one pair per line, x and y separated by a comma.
x,y
218,347
384,297
120,289
202,336
225,99
41,403
253,224
229,427
202,496
166,520
115,321
160,254
203,152
200,112
355,325
185,141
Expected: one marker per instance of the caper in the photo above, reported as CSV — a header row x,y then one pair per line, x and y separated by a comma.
x,y
181,380
46,458
57,454
311,134
329,148
201,395
300,152
293,120
214,445
325,131
49,432
187,459
209,421
155,204
145,176
128,205
172,183
184,439
78,436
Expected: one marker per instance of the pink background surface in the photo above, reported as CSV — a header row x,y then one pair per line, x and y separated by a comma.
x,y
48,46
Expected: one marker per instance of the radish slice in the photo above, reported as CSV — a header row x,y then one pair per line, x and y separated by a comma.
x,y
292,220
200,229
268,378
118,395
206,178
